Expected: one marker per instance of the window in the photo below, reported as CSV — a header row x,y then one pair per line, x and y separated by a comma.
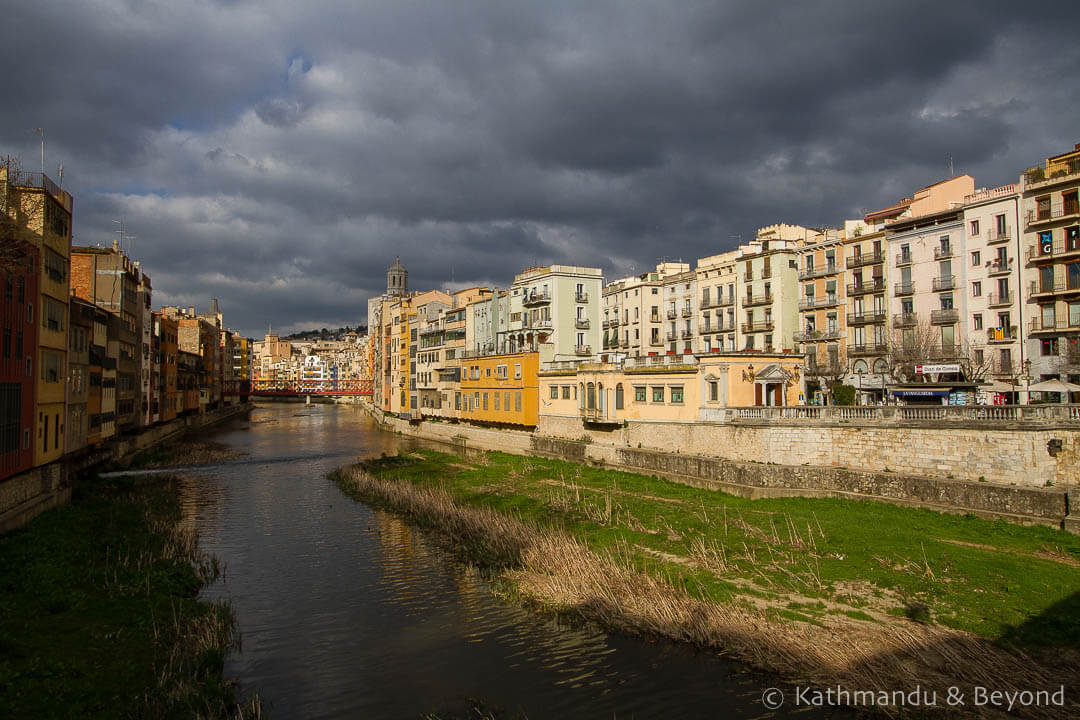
x,y
565,392
497,401
1049,346
973,228
639,393
714,388
619,397
976,259
554,392
976,289
677,393
517,401
517,371
976,321
485,401
658,394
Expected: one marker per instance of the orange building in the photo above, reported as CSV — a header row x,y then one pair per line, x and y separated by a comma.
x,y
500,389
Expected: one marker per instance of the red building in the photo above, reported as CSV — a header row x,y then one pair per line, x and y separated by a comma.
x,y
18,348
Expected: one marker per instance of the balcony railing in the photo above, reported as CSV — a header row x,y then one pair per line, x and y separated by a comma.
x,y
581,296
753,300
1055,212
857,261
1039,288
686,333
943,251
1001,334
726,300
812,302
687,312
876,285
998,235
581,324
981,415
816,272
997,267
672,314
818,335
671,336
761,326
905,320
999,299
865,349
866,318
655,341
945,282
944,317
1039,326
583,350
1045,252
903,259
904,289
536,298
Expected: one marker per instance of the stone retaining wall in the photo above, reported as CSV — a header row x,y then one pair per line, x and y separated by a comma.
x,y
1020,503
1024,457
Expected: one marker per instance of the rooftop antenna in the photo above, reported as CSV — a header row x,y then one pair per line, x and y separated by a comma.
x,y
60,174
949,164
119,222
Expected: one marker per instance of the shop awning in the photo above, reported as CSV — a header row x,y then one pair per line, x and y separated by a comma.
x,y
920,393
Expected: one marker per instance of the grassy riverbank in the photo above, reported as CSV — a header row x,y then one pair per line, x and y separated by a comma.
x,y
99,614
814,588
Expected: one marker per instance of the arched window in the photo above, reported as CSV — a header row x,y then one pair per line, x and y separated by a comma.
x,y
860,367
880,366
590,390
619,397
600,396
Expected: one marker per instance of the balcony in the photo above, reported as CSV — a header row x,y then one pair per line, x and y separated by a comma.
x,y
672,314
904,289
581,323
625,343
999,299
748,276
816,272
810,303
905,320
544,324
945,316
868,318
1056,250
655,317
857,261
583,350
729,300
687,312
762,326
687,333
814,369
945,282
943,252
1055,288
1053,326
581,296
671,336
997,267
877,285
1050,214
818,335
536,298
1001,334
866,349
766,273
754,300
903,259
996,235
655,341
707,302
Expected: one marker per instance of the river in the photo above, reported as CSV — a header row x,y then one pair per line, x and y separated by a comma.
x,y
348,612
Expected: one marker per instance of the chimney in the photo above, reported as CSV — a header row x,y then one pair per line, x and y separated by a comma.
x,y
191,310
214,306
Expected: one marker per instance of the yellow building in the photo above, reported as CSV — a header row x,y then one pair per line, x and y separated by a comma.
x,y
669,388
38,206
499,389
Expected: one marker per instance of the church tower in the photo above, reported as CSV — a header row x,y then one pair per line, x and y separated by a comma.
x,y
397,279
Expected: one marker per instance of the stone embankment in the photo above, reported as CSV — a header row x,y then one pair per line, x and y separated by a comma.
x,y
1024,475
25,496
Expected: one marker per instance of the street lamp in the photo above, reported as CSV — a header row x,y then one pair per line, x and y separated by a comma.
x,y
1026,377
860,372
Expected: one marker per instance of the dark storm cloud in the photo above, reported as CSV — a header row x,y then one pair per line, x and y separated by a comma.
x,y
278,155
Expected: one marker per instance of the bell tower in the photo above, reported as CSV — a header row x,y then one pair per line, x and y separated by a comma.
x,y
397,279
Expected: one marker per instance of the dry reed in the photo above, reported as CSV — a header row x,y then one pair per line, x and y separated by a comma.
x,y
562,573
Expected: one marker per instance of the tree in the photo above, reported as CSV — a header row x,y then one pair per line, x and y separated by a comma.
x,y
920,344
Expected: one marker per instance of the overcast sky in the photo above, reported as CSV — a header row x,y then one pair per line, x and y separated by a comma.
x,y
278,154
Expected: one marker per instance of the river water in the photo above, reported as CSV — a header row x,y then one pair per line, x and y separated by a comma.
x,y
348,612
